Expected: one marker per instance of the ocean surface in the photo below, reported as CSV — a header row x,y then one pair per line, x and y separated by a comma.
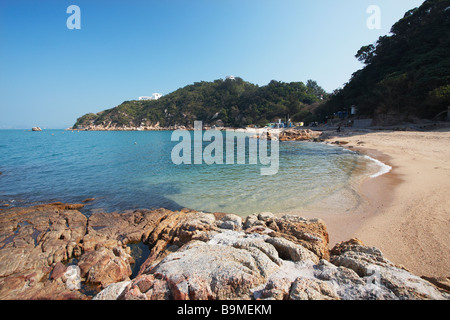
x,y
131,170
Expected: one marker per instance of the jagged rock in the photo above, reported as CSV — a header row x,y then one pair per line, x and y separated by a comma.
x,y
309,289
253,221
126,227
370,264
32,239
230,221
443,283
245,241
266,216
291,251
177,229
113,291
348,285
344,245
58,271
226,273
105,266
147,287
298,135
194,255
310,233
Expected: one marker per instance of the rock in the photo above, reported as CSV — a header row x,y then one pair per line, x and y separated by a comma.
x,y
194,255
370,264
32,239
345,245
309,289
112,292
348,285
298,135
36,129
146,287
443,283
276,288
58,271
361,259
105,266
266,216
312,234
252,221
88,200
178,229
114,229
259,229
241,240
230,221
288,250
226,273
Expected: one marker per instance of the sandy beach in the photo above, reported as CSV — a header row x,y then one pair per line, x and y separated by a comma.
x,y
406,212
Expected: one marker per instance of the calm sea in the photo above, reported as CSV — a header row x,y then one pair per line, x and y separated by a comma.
x,y
129,170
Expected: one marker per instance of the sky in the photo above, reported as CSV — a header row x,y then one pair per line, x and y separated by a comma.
x,y
50,75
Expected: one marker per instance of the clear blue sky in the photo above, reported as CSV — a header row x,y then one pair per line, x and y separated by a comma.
x,y
50,75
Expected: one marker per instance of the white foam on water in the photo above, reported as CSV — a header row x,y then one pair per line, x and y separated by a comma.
x,y
384,168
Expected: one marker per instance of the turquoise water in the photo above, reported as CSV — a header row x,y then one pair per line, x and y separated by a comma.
x,y
129,170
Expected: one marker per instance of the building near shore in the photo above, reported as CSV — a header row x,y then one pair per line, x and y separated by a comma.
x,y
154,96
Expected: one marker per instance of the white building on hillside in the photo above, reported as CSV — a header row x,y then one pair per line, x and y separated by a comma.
x,y
154,96
231,78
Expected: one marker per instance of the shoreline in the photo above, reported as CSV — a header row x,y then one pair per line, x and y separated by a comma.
x,y
364,197
405,212
54,252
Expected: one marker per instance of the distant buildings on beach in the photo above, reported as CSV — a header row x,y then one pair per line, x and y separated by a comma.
x,y
154,96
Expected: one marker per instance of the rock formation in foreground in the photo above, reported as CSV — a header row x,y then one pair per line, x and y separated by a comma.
x,y
55,252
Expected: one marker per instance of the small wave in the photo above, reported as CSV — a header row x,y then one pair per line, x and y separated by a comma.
x,y
384,168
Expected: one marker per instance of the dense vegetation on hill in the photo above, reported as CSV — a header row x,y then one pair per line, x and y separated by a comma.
x,y
230,102
406,74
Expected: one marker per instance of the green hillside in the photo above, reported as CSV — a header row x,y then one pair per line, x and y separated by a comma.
x,y
406,74
232,103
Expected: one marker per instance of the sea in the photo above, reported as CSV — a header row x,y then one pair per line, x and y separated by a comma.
x,y
128,170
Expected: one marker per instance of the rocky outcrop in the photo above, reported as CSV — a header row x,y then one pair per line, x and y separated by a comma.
x,y
32,242
114,127
298,135
55,252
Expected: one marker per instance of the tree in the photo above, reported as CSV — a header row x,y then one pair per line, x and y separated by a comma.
x,y
402,70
